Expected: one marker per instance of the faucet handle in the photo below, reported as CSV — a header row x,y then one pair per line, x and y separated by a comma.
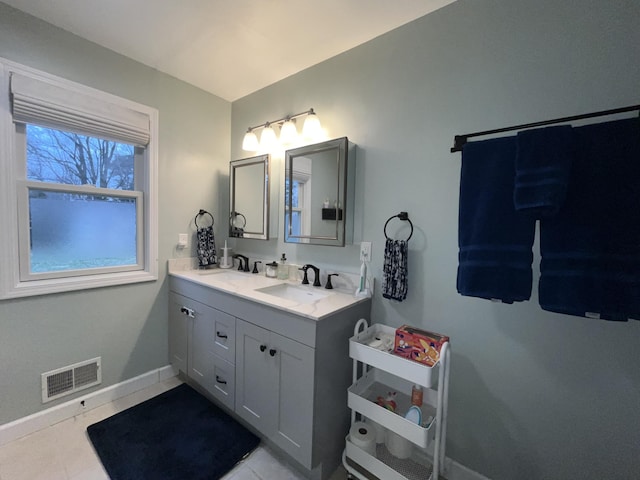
x,y
305,280
328,285
255,266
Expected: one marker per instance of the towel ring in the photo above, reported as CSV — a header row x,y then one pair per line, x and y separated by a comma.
x,y
404,216
235,230
200,213
232,219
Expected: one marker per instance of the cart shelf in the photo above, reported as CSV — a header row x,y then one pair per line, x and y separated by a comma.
x,y
360,350
376,372
384,465
362,396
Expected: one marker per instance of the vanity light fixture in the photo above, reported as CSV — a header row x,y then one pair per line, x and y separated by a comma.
x,y
250,142
311,128
311,131
268,138
288,133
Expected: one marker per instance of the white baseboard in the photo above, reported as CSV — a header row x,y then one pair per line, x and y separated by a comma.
x,y
457,471
45,418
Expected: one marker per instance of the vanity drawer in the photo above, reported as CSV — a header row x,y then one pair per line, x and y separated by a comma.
x,y
224,336
223,385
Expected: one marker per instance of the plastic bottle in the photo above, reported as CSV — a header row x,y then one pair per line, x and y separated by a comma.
x,y
283,268
362,286
416,395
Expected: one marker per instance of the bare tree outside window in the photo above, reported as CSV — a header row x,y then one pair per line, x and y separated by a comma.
x,y
73,159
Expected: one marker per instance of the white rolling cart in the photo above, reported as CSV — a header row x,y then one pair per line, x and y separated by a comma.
x,y
376,373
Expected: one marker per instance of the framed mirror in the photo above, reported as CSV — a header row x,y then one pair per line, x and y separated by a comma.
x,y
249,197
319,193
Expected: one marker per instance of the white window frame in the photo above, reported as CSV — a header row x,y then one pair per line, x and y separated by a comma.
x,y
304,204
13,184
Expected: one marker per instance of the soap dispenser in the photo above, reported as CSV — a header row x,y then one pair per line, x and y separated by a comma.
x,y
283,268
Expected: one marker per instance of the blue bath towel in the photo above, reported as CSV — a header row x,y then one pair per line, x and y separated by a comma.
x,y
591,250
495,241
543,164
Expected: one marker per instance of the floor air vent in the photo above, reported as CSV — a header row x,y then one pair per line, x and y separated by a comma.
x,y
67,380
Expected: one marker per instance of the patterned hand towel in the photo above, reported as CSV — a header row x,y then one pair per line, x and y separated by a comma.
x,y
394,279
206,247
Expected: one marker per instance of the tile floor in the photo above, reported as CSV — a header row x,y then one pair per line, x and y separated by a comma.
x,y
64,452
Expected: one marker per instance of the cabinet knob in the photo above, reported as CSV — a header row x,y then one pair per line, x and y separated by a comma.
x,y
220,335
219,380
272,352
263,348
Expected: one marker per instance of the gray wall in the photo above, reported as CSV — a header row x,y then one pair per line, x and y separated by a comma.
x,y
125,325
534,395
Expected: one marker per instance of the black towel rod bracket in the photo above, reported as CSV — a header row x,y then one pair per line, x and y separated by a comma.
x,y
460,140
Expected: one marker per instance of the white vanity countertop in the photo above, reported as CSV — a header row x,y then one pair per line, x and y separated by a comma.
x,y
247,285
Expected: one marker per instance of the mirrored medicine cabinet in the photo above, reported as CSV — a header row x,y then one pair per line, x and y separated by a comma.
x,y
249,197
319,193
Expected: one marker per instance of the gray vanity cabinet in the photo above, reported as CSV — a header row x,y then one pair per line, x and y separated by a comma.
x,y
274,387
283,374
202,345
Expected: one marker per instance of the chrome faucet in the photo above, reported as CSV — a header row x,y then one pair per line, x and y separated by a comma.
x,y
242,266
316,271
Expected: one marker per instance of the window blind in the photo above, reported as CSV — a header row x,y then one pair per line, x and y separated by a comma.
x,y
47,104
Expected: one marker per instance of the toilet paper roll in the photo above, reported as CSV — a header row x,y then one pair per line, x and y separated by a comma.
x,y
364,437
398,446
379,429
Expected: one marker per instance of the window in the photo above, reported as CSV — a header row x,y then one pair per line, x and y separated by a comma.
x,y
79,202
295,219
300,184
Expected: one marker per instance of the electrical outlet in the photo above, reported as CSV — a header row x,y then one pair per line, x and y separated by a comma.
x,y
183,240
365,251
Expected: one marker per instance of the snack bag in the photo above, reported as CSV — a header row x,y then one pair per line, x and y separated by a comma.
x,y
418,345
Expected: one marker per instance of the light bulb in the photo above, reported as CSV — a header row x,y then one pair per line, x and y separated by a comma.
x,y
268,139
288,133
311,130
250,142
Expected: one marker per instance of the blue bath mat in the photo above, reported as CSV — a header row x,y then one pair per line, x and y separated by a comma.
x,y
175,436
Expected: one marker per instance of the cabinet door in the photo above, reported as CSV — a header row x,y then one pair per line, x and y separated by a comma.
x,y
293,417
178,331
201,340
274,388
255,377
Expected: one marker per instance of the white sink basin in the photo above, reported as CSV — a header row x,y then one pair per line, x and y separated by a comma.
x,y
293,293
